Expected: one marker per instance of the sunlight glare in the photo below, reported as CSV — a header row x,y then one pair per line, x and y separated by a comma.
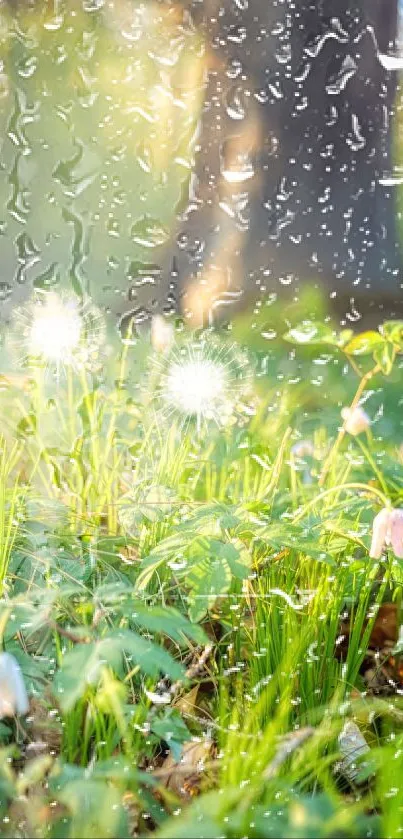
x,y
56,330
196,387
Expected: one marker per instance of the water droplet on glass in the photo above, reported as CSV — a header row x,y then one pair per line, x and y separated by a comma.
x,y
149,232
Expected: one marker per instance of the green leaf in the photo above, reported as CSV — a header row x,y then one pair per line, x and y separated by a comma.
x,y
392,330
167,621
82,666
297,538
173,730
117,769
168,548
152,658
207,580
108,547
211,519
27,426
201,819
152,504
235,554
385,356
95,809
365,343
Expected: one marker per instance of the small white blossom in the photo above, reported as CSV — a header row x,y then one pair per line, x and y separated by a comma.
x,y
303,448
162,334
13,694
158,698
355,420
387,530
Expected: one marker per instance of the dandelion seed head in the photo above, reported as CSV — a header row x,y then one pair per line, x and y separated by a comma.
x,y
56,330
196,387
202,380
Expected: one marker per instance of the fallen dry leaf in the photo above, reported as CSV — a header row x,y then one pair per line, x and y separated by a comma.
x,y
186,704
380,671
184,777
385,627
43,729
133,812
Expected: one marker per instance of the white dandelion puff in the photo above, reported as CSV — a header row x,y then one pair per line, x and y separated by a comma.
x,y
202,381
56,330
59,331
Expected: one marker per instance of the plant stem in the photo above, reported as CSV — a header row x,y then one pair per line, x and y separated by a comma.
x,y
342,431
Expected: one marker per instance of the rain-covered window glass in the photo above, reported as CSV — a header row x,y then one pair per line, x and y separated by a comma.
x,y
195,157
201,424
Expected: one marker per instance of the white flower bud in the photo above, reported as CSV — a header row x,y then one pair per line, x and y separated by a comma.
x,y
380,527
303,448
396,533
162,334
355,420
387,530
13,694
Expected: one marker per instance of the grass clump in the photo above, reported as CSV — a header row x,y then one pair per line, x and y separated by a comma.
x,y
206,625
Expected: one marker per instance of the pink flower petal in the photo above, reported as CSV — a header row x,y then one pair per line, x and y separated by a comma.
x,y
396,533
380,529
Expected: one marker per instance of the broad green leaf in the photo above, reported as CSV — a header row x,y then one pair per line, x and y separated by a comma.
x,y
152,658
173,730
95,809
169,548
167,621
297,538
393,331
117,769
207,580
235,554
7,778
211,519
148,571
108,547
166,548
364,344
201,819
151,504
82,666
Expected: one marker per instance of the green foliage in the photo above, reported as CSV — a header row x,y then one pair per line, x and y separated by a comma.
x,y
382,345
82,666
165,589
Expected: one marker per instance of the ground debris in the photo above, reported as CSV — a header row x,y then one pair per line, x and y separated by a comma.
x,y
382,672
184,777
